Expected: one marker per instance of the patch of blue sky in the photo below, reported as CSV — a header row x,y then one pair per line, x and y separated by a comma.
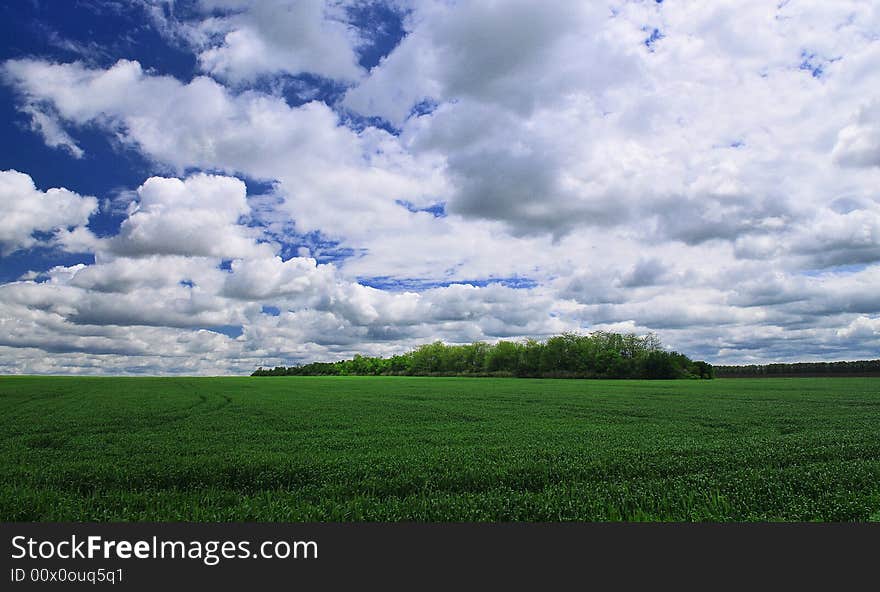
x,y
393,284
382,27
302,88
106,224
258,186
272,311
815,70
105,167
318,246
39,260
96,32
231,331
815,64
438,210
849,268
277,224
359,122
195,9
654,36
423,107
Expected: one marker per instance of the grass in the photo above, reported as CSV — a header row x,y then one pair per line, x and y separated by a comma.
x,y
439,449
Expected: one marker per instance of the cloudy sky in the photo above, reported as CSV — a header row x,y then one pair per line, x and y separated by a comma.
x,y
206,186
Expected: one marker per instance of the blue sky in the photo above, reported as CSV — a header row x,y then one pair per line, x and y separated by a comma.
x,y
206,186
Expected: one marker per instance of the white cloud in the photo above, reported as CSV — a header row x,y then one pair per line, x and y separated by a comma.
x,y
272,278
509,54
241,41
268,37
862,327
858,144
197,216
203,125
24,210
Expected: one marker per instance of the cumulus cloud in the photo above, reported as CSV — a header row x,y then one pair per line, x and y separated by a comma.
x,y
279,36
25,210
498,53
240,41
273,278
661,124
862,327
195,124
858,144
322,166
159,286
197,216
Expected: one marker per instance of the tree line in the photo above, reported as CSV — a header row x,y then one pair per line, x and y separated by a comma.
x,y
601,354
858,368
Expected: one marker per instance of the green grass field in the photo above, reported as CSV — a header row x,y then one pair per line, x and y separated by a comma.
x,y
438,449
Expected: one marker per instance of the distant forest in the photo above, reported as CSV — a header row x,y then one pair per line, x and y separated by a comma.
x,y
600,354
860,368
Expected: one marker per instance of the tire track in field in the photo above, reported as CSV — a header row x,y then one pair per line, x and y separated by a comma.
x,y
200,408
16,407
147,420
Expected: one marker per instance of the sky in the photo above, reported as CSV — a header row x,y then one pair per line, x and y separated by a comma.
x,y
209,186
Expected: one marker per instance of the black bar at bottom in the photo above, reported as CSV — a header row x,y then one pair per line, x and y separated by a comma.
x,y
414,556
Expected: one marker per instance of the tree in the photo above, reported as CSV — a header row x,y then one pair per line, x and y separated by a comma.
x,y
601,354
503,357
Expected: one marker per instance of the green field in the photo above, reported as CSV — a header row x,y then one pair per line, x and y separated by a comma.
x,y
438,449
